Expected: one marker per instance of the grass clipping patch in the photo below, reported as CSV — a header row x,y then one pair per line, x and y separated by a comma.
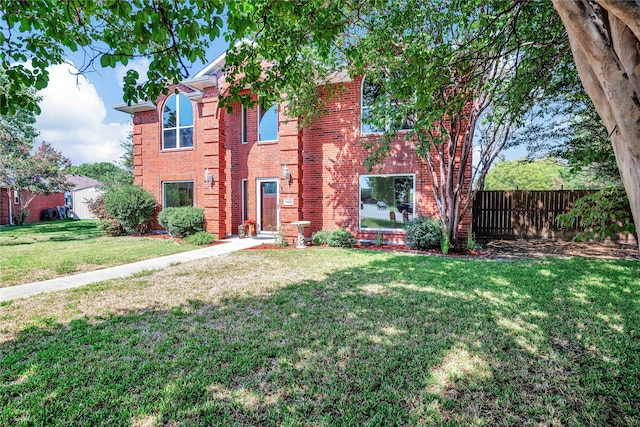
x,y
331,337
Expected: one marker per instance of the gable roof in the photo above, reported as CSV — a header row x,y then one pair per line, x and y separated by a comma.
x,y
80,182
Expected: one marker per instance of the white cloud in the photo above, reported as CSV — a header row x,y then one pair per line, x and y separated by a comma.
x,y
140,65
73,119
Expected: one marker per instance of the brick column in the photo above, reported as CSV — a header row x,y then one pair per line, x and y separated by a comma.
x,y
211,136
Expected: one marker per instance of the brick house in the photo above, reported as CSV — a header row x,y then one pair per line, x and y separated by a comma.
x,y
256,163
10,204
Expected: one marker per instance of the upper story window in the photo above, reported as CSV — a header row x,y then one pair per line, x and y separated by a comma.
x,y
177,122
372,94
244,125
268,123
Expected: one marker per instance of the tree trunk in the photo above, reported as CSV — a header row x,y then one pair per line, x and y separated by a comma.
x,y
604,40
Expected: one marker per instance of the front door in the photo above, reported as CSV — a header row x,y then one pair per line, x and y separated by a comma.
x,y
268,204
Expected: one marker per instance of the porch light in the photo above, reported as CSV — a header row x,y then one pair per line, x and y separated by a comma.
x,y
208,177
286,174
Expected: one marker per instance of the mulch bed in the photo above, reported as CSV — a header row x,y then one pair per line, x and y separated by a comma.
x,y
512,249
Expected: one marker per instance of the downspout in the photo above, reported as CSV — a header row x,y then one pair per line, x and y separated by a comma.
x,y
10,204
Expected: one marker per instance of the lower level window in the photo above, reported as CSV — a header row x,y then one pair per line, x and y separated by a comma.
x,y
386,201
178,194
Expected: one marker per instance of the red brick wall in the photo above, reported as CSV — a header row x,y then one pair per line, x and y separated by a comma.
x,y
35,207
325,161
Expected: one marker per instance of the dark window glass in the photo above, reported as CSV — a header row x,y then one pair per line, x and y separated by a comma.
x,y
245,200
270,188
178,194
244,125
170,138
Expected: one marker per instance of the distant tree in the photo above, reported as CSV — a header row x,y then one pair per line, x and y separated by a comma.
x,y
543,174
33,174
126,159
102,171
29,172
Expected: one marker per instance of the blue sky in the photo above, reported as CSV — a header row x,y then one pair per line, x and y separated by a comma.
x,y
77,116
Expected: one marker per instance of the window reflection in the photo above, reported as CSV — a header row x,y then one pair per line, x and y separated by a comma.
x,y
386,201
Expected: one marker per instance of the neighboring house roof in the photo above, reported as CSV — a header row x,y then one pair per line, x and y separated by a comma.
x,y
80,182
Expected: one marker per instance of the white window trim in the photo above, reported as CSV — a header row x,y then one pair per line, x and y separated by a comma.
x,y
390,230
243,126
177,127
277,123
259,205
387,127
174,182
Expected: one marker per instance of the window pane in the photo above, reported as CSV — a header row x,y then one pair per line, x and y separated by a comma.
x,y
371,92
244,125
178,194
186,111
268,126
169,139
169,113
270,187
186,137
386,202
367,126
245,200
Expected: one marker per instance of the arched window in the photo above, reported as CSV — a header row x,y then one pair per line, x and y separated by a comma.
x,y
177,122
370,95
268,123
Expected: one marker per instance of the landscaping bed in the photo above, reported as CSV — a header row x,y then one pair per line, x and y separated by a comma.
x,y
509,249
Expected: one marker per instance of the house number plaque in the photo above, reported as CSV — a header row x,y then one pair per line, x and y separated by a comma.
x,y
287,201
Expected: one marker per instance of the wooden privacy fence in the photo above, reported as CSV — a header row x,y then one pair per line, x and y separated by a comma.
x,y
523,214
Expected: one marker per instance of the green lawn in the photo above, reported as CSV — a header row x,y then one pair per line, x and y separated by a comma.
x,y
331,337
46,250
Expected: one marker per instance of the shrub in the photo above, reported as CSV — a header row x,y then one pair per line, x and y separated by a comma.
x,y
201,238
606,212
471,241
341,239
320,237
423,233
183,221
96,207
131,205
111,227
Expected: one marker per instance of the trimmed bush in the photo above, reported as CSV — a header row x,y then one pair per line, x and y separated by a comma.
x,y
111,227
131,205
341,239
423,233
201,238
183,221
320,237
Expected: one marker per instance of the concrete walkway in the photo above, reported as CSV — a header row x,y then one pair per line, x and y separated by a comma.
x,y
77,280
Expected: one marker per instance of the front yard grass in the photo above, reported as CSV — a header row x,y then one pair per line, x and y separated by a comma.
x,y
331,337
47,250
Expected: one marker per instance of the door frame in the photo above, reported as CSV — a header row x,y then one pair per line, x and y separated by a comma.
x,y
259,181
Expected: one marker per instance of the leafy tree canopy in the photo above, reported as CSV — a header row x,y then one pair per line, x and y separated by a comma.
x,y
104,172
543,174
173,34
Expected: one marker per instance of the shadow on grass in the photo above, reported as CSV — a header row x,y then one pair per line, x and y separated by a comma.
x,y
401,340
